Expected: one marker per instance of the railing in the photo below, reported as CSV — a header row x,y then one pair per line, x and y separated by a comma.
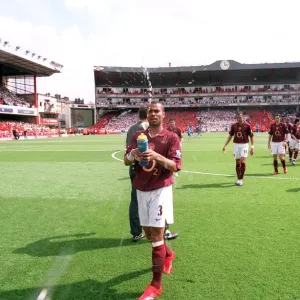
x,y
198,95
296,102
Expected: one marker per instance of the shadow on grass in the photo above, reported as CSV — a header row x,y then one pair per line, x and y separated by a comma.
x,y
70,244
206,186
83,290
295,190
260,175
124,178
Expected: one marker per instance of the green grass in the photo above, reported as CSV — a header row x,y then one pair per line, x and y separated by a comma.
x,y
64,224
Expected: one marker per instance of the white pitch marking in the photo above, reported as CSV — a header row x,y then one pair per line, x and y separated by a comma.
x,y
248,176
114,156
79,150
220,174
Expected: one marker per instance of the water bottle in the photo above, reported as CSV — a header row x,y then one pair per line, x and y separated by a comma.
x,y
142,143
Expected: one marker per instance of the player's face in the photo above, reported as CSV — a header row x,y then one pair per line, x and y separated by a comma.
x,y
172,124
277,119
240,119
156,115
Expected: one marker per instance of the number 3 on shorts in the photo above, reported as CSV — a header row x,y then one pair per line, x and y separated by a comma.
x,y
159,210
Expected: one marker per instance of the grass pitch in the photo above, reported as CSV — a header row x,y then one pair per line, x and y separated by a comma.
x,y
64,223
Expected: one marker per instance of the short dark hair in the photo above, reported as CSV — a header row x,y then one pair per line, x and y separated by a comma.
x,y
143,112
155,102
297,120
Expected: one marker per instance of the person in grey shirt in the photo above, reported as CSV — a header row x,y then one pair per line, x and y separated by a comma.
x,y
135,226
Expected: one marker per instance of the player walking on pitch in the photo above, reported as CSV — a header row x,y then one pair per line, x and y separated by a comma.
x,y
240,131
154,190
295,141
278,135
289,126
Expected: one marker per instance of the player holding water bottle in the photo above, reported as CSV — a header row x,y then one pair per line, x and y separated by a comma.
x,y
154,188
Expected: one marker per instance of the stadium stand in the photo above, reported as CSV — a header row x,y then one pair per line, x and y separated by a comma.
x,y
103,121
19,105
9,98
212,121
6,129
217,120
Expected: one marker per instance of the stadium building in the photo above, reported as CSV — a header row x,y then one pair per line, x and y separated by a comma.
x,y
207,95
22,108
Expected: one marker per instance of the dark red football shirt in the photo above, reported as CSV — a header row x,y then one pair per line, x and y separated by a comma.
x,y
154,176
176,130
296,131
289,126
241,133
278,132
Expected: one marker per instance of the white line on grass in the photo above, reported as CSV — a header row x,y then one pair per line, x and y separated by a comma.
x,y
114,156
220,174
248,176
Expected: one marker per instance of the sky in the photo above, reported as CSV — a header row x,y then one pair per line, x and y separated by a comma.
x,y
80,34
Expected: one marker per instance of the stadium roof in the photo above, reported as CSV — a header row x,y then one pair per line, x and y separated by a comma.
x,y
218,73
15,61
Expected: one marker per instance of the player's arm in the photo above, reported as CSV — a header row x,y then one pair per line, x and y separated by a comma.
x,y
270,137
166,163
129,158
173,160
294,138
231,134
227,142
292,134
269,140
252,143
131,153
180,136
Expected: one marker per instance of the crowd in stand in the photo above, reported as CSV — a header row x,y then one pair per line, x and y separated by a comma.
x,y
122,123
205,100
216,120
211,121
7,127
9,98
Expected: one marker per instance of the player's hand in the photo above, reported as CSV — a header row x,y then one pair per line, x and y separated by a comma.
x,y
269,146
224,149
136,154
149,155
251,151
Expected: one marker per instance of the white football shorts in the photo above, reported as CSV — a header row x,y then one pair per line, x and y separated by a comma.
x,y
294,144
289,138
156,207
277,148
240,150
